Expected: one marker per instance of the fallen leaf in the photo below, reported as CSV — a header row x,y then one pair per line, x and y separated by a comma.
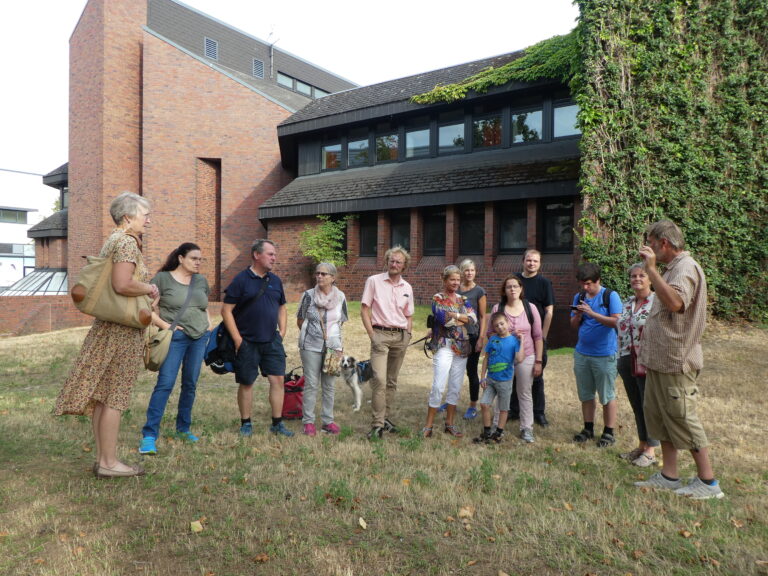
x,y
210,574
568,506
466,512
78,550
496,476
685,534
491,539
63,537
468,527
501,573
737,523
637,554
38,561
450,519
362,524
471,562
571,533
697,524
196,526
714,562
86,448
303,498
447,534
618,542
406,481
761,562
737,480
4,534
261,558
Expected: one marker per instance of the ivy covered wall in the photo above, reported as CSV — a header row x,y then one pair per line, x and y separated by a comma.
x,y
674,117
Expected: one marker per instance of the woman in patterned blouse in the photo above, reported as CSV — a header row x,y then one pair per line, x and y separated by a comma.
x,y
452,313
631,323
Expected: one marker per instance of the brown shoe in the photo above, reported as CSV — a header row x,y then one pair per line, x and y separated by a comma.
x,y
453,431
103,472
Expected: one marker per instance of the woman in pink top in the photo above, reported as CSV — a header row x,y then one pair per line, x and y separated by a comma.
x,y
511,304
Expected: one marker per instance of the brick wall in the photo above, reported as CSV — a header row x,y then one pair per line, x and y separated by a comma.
x,y
104,120
425,272
21,315
210,158
51,253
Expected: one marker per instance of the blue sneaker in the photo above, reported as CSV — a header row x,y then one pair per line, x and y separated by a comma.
x,y
148,446
246,430
443,408
188,436
471,413
280,428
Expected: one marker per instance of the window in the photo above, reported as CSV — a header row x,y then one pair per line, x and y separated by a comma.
x,y
450,132
417,143
434,232
557,224
357,148
513,226
486,130
565,123
400,229
13,216
331,159
526,126
65,197
303,88
258,68
471,228
285,80
320,93
211,49
386,148
368,230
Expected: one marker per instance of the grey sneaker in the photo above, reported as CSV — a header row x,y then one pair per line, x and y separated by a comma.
x,y
698,490
526,435
658,482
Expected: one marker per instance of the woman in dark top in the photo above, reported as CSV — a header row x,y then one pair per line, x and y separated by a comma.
x,y
174,280
475,295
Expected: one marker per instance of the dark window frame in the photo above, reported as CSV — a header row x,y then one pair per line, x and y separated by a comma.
x,y
543,217
429,217
518,208
368,223
465,222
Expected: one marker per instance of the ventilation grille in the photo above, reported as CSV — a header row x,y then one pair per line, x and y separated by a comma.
x,y
258,68
211,49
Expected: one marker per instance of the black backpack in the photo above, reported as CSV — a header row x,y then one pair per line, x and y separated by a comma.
x,y
606,298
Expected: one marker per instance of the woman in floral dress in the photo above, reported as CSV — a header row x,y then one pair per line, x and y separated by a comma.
x,y
109,361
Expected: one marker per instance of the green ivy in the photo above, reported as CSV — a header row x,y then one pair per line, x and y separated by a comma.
x,y
673,98
324,242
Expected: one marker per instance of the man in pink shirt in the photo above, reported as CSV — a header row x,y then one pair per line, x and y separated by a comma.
x,y
387,313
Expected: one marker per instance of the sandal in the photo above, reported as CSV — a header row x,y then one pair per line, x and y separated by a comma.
x,y
426,432
644,460
632,455
453,431
583,436
606,440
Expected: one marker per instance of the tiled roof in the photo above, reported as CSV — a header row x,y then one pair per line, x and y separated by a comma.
x,y
63,169
454,179
393,91
53,226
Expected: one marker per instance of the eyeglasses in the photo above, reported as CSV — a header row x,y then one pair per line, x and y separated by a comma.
x,y
323,274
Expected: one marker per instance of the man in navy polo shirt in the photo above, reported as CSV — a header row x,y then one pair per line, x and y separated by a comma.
x,y
255,315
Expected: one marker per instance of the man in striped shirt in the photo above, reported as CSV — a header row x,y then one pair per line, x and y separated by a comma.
x,y
671,352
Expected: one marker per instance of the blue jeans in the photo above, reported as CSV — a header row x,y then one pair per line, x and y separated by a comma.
x,y
190,352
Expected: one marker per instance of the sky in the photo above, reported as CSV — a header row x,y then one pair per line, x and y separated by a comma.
x,y
364,43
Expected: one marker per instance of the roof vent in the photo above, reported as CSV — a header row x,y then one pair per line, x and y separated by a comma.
x,y
258,68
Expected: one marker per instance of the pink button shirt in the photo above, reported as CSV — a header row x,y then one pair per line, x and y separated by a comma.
x,y
391,303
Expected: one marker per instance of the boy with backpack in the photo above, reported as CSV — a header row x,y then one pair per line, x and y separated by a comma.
x,y
502,352
594,313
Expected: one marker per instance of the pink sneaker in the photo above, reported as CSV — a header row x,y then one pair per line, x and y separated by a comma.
x,y
309,430
331,428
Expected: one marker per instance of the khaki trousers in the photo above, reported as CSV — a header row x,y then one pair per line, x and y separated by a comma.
x,y
388,348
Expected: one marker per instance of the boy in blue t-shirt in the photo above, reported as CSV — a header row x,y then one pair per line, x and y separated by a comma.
x,y
502,352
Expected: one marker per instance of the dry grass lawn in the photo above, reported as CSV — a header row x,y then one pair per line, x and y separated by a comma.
x,y
344,506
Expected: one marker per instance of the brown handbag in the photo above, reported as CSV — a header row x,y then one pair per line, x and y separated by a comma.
x,y
638,370
94,295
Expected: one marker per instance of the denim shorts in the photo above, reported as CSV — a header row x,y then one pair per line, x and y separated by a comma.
x,y
269,356
595,375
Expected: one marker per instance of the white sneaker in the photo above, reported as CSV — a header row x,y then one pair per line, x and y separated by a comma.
x,y
698,490
658,482
526,435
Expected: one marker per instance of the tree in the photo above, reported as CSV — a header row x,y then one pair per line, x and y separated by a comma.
x,y
324,242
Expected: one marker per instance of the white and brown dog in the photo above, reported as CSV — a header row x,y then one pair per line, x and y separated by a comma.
x,y
354,374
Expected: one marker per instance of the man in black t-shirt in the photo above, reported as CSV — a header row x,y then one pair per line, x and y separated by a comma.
x,y
538,291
